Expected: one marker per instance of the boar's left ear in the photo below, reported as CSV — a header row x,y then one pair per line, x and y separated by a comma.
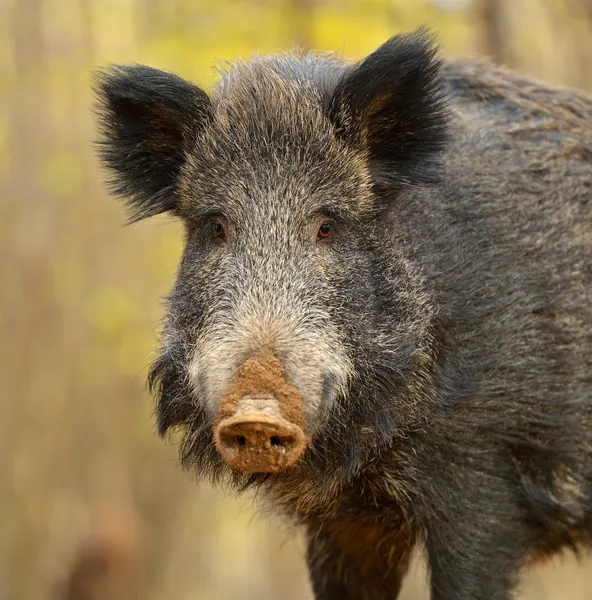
x,y
148,121
393,105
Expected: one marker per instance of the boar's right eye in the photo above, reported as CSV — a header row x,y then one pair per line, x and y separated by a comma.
x,y
325,230
325,233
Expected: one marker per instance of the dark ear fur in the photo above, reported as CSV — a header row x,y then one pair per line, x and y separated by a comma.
x,y
148,119
393,104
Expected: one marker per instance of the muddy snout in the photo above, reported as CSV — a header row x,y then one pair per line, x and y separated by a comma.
x,y
257,439
260,425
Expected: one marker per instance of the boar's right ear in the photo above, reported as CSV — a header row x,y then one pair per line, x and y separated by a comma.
x,y
148,120
393,105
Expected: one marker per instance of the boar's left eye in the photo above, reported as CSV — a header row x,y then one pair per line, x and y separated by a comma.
x,y
325,233
218,231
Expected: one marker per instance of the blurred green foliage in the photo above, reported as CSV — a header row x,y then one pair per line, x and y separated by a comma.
x,y
80,296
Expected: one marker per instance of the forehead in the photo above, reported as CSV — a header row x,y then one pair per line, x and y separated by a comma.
x,y
271,139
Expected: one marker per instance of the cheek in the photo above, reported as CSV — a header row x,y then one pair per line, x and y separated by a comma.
x,y
317,364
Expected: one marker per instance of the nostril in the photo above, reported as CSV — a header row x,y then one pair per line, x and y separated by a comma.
x,y
234,441
276,441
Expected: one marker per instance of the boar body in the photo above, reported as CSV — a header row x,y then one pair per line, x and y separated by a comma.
x,y
411,241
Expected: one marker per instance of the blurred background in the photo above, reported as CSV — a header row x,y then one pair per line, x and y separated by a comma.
x,y
87,491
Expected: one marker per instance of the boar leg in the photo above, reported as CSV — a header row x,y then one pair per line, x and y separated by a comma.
x,y
476,546
357,561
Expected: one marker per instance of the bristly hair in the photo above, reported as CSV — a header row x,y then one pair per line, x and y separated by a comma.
x,y
148,120
394,104
391,106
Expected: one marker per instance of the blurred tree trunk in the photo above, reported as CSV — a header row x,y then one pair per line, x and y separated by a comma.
x,y
570,21
24,319
148,18
579,30
28,109
493,28
300,15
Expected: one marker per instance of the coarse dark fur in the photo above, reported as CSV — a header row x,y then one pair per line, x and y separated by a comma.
x,y
441,337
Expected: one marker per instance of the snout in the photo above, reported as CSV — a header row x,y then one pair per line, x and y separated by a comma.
x,y
260,426
258,442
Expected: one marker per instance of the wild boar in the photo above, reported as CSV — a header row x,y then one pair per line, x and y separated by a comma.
x,y
382,318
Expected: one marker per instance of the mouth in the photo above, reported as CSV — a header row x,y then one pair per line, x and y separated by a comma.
x,y
260,424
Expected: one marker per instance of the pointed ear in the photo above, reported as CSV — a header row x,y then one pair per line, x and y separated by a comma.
x,y
148,120
393,106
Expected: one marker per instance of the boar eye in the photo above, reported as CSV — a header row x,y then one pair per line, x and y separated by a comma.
x,y
325,232
218,231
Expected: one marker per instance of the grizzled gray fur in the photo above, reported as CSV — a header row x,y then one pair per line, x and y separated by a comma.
x,y
411,239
